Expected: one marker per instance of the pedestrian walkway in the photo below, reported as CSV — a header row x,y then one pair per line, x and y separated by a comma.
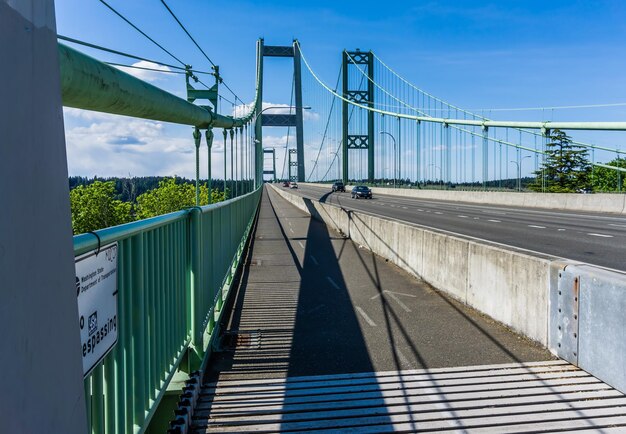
x,y
324,335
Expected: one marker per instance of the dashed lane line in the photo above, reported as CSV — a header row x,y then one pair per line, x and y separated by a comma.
x,y
536,226
600,235
365,316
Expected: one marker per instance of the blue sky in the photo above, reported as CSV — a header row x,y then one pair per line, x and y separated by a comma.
x,y
474,54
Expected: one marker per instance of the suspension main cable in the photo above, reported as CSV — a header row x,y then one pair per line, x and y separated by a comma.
x,y
427,115
483,123
526,131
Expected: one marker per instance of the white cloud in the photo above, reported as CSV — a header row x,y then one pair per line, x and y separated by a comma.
x,y
144,74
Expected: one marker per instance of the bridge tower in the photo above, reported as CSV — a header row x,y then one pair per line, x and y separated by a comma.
x,y
364,140
283,120
272,172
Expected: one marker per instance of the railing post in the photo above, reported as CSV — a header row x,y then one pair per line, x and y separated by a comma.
x,y
138,331
195,299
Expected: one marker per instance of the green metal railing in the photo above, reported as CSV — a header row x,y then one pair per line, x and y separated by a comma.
x,y
174,274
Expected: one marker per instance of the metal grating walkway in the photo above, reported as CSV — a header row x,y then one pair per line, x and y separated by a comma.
x,y
517,397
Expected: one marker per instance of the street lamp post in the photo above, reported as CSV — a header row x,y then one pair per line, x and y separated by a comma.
x,y
519,172
394,155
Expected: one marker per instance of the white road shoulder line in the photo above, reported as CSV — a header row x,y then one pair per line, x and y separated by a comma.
x,y
365,317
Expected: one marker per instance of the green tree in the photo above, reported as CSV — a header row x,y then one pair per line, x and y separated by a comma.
x,y
171,196
604,179
566,168
94,207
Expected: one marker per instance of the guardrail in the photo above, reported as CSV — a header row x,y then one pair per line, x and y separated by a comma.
x,y
174,274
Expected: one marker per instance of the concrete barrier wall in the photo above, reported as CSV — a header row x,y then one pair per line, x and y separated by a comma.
x,y
602,202
576,310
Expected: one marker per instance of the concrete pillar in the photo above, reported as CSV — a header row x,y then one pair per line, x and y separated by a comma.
x,y
41,379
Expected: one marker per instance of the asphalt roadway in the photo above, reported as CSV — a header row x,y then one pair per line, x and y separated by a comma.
x,y
594,238
311,302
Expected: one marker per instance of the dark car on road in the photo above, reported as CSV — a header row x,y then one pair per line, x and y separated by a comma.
x,y
285,184
338,186
361,191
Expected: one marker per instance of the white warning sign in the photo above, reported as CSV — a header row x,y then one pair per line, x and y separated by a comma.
x,y
96,293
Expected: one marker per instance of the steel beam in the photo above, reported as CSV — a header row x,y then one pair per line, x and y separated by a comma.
x,y
89,84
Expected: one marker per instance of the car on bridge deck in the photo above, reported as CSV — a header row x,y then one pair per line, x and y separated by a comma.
x,y
338,186
293,185
285,184
361,191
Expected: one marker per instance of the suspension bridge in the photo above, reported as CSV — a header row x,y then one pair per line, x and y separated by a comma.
x,y
452,301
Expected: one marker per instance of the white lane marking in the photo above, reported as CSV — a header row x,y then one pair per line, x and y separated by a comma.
x,y
476,218
617,226
420,210
601,235
301,245
289,223
314,260
365,317
493,212
495,221
462,216
437,212
291,230
560,229
397,300
535,226
404,207
332,282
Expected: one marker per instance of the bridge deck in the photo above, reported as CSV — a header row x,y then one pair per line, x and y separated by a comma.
x,y
324,335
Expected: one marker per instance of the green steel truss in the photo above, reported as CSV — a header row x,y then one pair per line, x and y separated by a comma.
x,y
364,140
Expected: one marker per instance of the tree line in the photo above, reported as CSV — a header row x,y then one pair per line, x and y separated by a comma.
x,y
98,203
567,169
